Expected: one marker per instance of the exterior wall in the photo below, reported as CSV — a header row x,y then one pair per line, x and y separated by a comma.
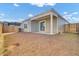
x,y
48,25
55,29
61,24
34,26
28,26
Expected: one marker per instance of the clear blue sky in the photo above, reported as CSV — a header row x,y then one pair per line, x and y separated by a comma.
x,y
20,11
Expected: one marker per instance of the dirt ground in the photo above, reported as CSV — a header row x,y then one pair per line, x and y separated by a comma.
x,y
33,44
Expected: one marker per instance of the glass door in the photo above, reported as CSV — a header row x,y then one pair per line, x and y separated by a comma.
x,y
42,26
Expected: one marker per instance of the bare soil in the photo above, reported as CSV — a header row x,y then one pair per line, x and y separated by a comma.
x,y
33,44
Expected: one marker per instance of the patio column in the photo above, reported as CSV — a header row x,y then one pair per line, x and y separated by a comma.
x,y
51,23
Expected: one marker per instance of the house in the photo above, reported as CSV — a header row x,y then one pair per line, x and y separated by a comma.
x,y
49,22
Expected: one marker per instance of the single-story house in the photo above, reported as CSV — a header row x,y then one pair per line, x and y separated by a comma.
x,y
49,22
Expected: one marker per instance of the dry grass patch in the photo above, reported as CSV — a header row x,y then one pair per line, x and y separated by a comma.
x,y
38,44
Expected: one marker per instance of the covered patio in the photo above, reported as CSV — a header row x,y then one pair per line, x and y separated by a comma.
x,y
46,24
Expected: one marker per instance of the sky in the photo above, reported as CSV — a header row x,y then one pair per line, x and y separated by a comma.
x,y
17,12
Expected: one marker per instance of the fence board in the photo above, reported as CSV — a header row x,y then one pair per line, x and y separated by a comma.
x,y
73,28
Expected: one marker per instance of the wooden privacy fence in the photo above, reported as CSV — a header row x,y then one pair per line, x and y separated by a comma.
x,y
73,28
13,28
1,28
4,28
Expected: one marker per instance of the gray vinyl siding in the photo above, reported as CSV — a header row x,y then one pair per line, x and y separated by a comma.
x,y
25,29
61,23
34,26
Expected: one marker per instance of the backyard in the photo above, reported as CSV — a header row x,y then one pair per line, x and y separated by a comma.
x,y
33,44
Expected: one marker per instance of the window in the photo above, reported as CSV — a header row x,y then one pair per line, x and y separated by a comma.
x,y
25,25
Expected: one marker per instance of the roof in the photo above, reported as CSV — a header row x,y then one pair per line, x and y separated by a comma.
x,y
52,10
59,14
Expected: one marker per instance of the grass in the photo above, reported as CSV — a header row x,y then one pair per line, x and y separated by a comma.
x,y
71,36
